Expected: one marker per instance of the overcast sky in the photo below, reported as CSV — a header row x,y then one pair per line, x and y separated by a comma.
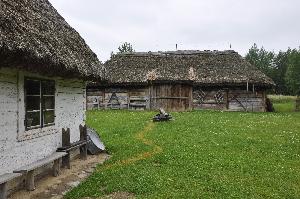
x,y
158,25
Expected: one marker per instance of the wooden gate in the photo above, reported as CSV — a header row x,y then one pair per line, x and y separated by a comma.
x,y
171,97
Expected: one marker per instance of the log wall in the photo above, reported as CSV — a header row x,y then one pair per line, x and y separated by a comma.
x,y
233,99
171,97
177,97
118,98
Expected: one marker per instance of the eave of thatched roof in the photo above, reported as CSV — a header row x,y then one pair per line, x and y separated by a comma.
x,y
34,37
201,67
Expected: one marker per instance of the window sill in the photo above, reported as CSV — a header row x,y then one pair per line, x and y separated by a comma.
x,y
37,133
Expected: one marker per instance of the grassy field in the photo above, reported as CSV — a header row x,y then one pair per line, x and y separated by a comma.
x,y
198,155
283,103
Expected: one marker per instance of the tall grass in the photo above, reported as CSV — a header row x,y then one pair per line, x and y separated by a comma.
x,y
201,154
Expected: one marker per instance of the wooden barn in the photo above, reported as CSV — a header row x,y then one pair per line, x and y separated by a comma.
x,y
179,81
44,66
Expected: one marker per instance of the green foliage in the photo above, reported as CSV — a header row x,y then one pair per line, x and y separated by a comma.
x,y
262,59
125,48
205,154
293,72
282,67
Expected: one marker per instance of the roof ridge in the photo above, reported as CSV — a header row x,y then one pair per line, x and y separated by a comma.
x,y
178,52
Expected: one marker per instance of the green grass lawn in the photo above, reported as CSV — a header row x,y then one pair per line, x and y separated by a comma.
x,y
201,154
283,103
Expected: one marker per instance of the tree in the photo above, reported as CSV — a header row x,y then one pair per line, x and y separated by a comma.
x,y
283,68
281,65
292,76
262,59
125,48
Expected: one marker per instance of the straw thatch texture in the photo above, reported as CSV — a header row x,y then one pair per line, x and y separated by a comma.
x,y
34,37
200,67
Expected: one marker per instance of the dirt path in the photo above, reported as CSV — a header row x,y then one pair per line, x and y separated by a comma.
x,y
142,156
55,187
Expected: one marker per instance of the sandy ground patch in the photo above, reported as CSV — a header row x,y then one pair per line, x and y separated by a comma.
x,y
55,187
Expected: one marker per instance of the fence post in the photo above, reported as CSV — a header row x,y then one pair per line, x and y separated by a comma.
x,y
297,107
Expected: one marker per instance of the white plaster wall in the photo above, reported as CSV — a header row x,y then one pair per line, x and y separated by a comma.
x,y
19,147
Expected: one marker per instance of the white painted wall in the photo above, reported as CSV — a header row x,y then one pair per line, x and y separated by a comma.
x,y
19,147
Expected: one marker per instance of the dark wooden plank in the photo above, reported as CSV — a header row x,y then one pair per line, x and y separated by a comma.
x,y
73,146
83,152
83,132
66,137
30,186
56,167
66,161
3,191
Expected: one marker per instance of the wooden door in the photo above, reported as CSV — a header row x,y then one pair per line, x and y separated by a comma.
x,y
171,97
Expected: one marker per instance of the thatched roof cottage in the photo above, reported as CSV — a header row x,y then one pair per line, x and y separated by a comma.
x,y
44,65
183,80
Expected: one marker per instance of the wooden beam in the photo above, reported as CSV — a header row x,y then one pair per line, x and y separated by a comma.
x,y
66,161
167,97
3,190
83,137
30,186
227,99
56,167
66,137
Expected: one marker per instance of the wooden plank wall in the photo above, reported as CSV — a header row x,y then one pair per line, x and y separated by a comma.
x,y
241,100
229,99
94,98
209,99
171,97
118,98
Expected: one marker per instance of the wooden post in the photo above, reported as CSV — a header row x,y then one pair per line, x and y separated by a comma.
x,y
66,142
191,99
66,161
227,99
30,181
297,107
66,137
150,97
56,167
3,191
247,86
83,132
264,101
83,137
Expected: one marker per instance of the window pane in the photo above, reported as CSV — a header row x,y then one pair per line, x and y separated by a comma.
x,y
32,103
48,87
48,103
33,119
32,87
48,117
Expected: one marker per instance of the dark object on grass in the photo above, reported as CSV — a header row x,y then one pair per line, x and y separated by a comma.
x,y
162,116
95,145
269,105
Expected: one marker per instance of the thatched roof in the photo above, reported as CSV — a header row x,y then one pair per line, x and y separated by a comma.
x,y
34,37
199,67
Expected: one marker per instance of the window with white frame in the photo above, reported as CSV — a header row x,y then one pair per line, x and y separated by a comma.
x,y
39,103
